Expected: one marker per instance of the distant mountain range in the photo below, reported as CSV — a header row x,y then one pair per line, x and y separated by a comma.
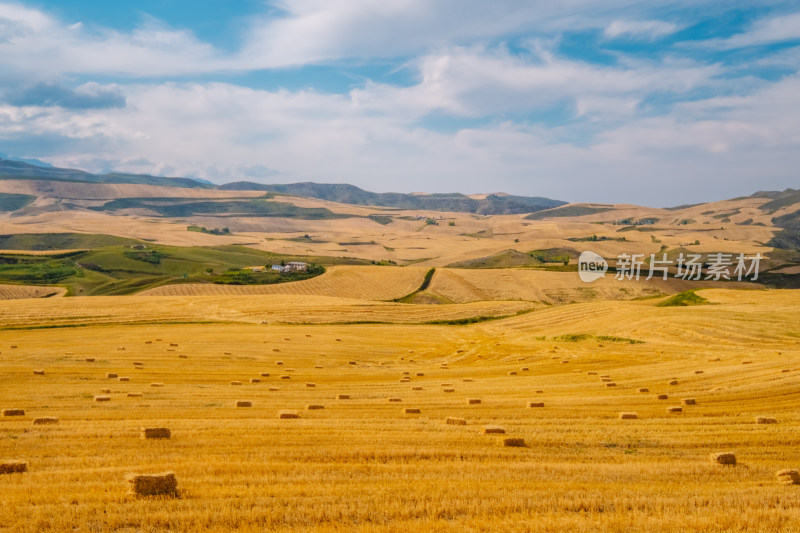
x,y
491,204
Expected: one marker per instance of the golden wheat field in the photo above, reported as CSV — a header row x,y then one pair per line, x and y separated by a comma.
x,y
363,463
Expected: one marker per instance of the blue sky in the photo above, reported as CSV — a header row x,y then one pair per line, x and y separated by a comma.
x,y
656,103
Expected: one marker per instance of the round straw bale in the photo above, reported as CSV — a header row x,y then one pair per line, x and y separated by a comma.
x,y
493,429
524,369
662,397
183,357
612,384
90,359
467,380
675,409
265,374
102,398
13,467
590,373
411,411
766,420
311,385
515,442
38,372
689,401
628,416
420,374
244,403
314,406
112,376
673,382
288,414
512,373
124,378
255,380
644,389
342,396
45,420
105,391
535,404
788,476
155,433
448,390
723,458
473,401
785,370
698,371
286,377
278,363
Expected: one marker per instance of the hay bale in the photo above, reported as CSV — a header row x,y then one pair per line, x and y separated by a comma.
x,y
112,376
535,404
124,378
512,373
612,384
675,409
453,421
102,398
236,382
134,395
723,458
416,388
606,380
473,401
13,412
467,380
156,384
395,399
352,362
644,389
265,374
698,371
443,365
785,370
448,390
227,353
318,367
487,430
273,389
628,416
286,377
173,345
90,359
788,476
138,363
311,385
45,421
662,397
244,403
766,420
13,467
279,363
38,372
288,414
514,442
105,391
605,375
673,382
747,362
155,433
539,391
314,407
689,401
164,483
405,380
564,362
420,374
525,369
590,373
255,380
411,411
183,357
342,396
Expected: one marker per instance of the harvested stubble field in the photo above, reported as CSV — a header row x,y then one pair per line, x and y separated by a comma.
x,y
365,465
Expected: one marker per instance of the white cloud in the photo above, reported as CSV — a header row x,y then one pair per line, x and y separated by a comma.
x,y
639,29
771,30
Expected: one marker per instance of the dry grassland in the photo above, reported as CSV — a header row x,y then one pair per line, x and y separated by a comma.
x,y
364,464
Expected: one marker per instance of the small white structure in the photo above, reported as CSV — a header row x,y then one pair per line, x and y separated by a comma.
x,y
295,266
278,268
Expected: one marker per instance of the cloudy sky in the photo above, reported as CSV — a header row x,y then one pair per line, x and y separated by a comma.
x,y
657,103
